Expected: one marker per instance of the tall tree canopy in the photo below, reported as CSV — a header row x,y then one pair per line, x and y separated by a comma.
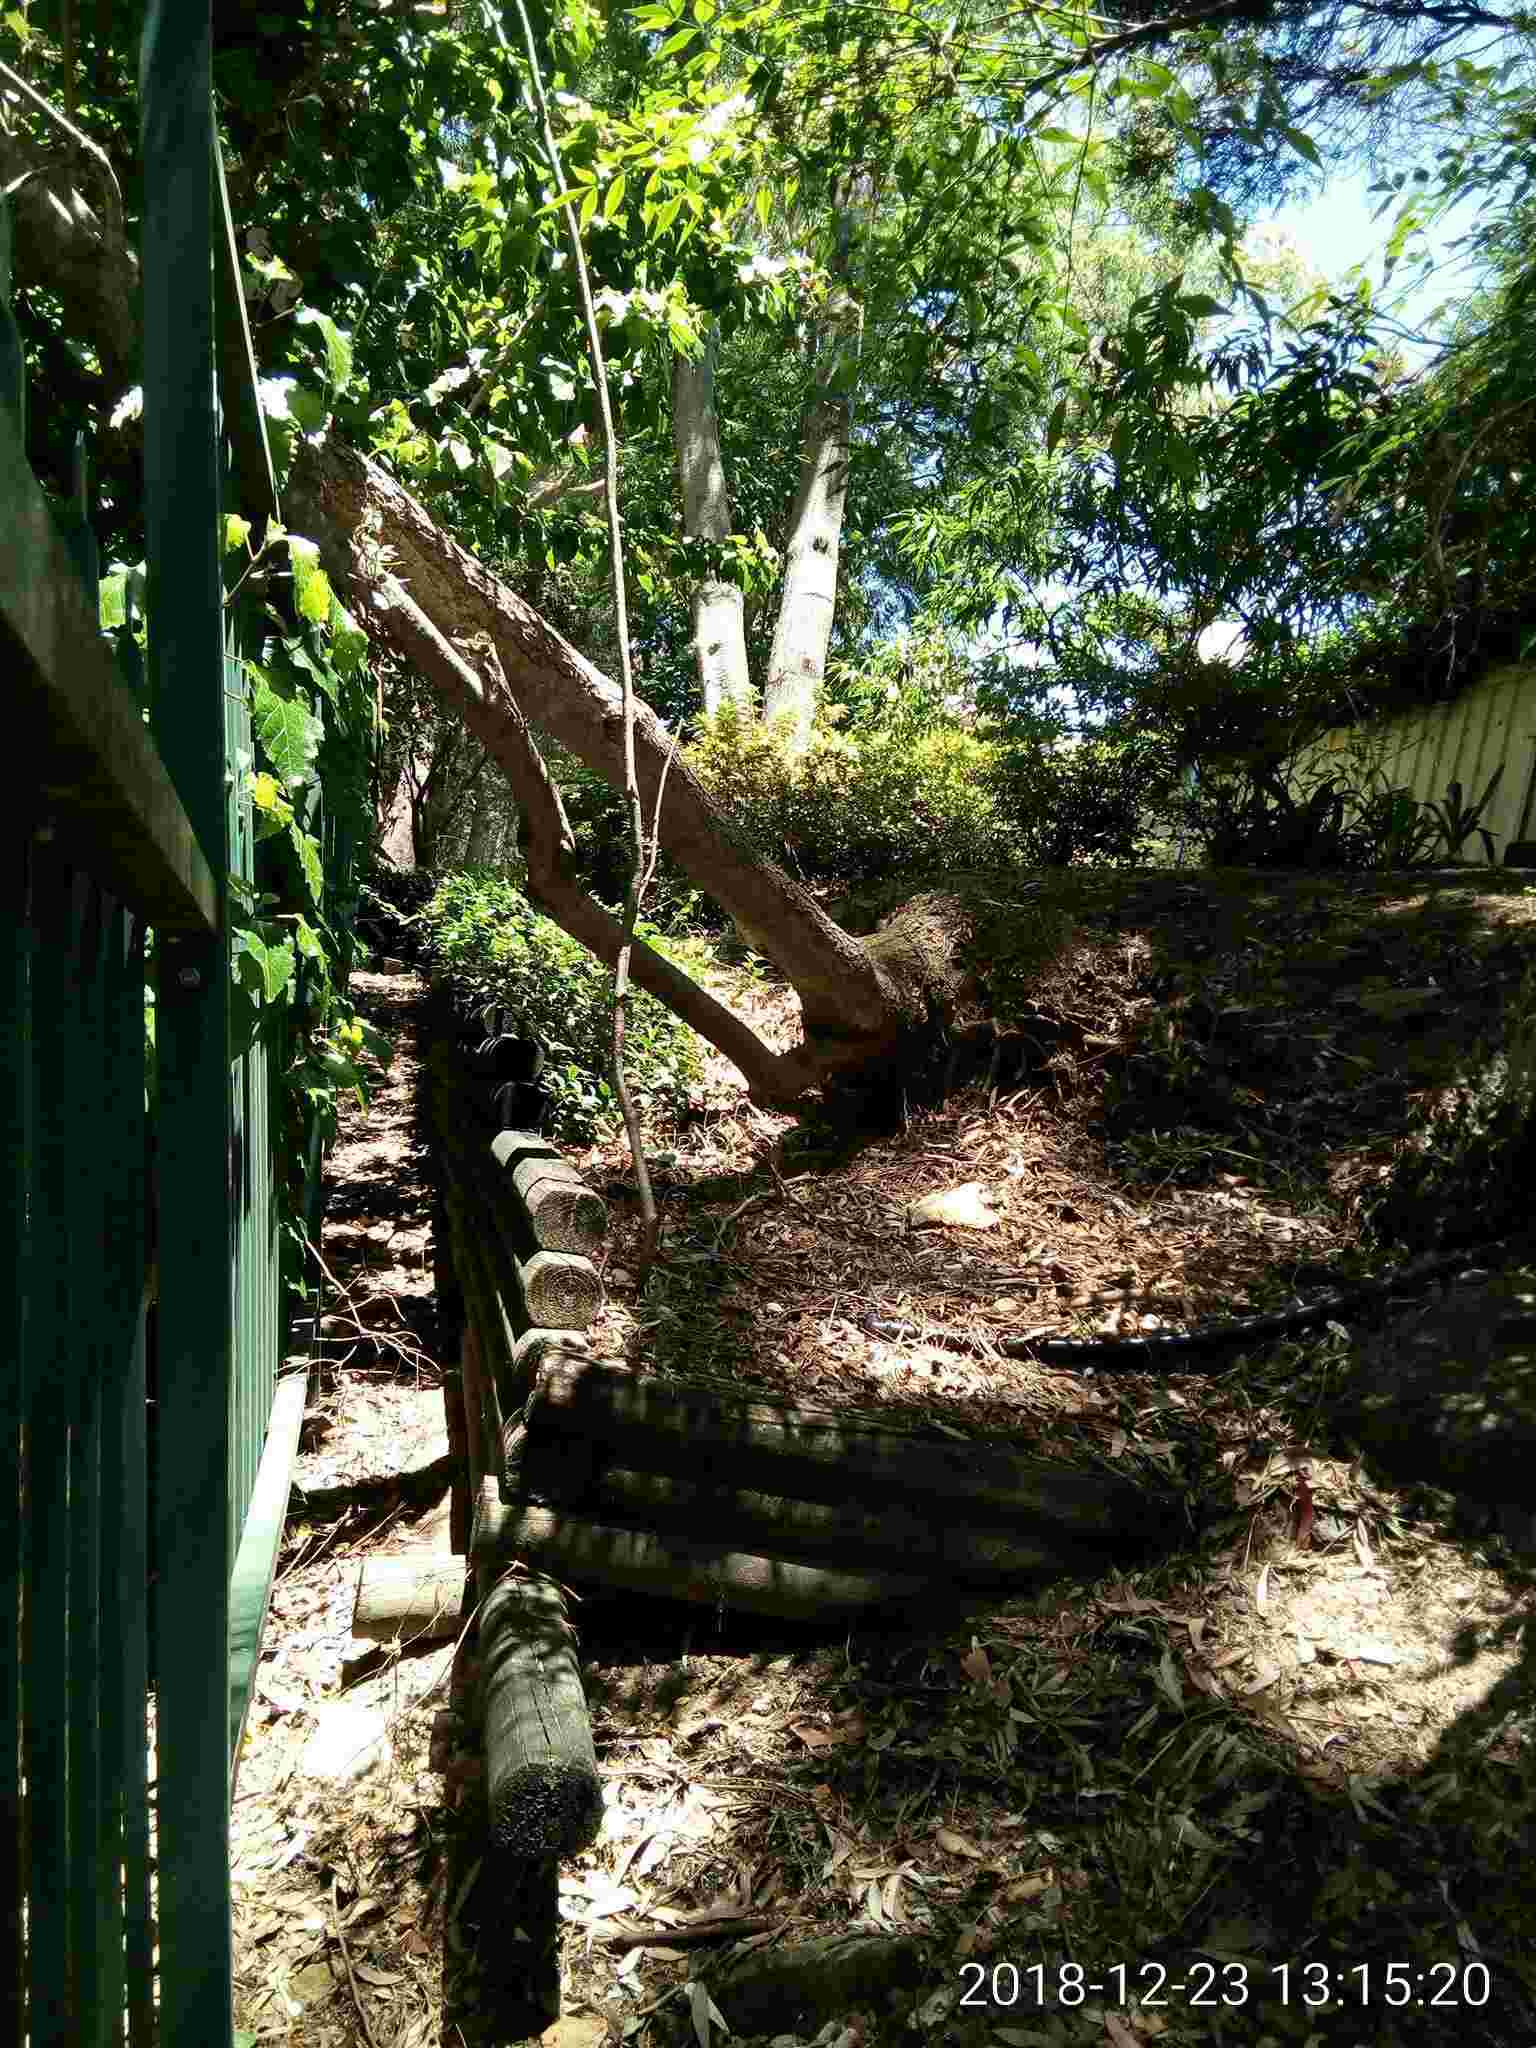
x,y
917,314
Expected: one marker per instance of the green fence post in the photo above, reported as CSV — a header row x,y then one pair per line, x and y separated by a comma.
x,y
193,1127
20,1195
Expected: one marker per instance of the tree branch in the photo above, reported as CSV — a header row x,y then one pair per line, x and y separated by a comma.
x,y
488,709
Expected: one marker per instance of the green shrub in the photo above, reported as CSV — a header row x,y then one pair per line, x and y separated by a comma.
x,y
484,936
855,806
1082,803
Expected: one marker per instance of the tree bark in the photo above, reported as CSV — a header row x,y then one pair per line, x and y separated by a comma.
x,y
717,607
406,575
797,664
481,697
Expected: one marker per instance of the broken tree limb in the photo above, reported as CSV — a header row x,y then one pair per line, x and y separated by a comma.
x,y
409,1598
575,1477
652,1424
542,1784
639,1561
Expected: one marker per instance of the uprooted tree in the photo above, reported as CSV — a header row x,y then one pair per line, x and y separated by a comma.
x,y
505,668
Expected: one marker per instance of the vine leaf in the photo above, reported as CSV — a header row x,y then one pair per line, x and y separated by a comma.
x,y
289,733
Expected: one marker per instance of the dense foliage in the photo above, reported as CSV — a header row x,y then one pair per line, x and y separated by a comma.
x,y
490,946
1081,416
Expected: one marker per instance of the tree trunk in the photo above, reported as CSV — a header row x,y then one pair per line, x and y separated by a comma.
x,y
481,840
422,591
718,614
798,661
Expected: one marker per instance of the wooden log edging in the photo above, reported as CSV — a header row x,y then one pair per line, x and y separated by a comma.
x,y
460,1498
576,1478
647,1423
546,1222
542,1784
411,1597
561,1212
641,1561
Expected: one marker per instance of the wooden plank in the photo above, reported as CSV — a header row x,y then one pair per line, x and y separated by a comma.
x,y
94,775
250,1589
195,1359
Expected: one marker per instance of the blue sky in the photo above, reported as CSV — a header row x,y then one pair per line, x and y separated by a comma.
x,y
1335,231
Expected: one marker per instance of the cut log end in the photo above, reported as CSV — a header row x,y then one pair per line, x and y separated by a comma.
x,y
558,1291
543,1803
542,1783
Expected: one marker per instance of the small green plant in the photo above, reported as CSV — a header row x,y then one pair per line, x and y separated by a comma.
x,y
486,938
1455,822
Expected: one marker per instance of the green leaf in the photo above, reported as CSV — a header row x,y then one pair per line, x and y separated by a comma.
x,y
237,532
588,207
311,585
1053,429
615,198
338,346
307,847
113,599
349,644
307,408
289,732
263,969
1303,145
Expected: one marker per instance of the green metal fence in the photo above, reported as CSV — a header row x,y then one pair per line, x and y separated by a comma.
x,y
139,1417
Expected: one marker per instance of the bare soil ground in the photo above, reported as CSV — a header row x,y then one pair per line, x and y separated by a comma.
x,y
1276,1788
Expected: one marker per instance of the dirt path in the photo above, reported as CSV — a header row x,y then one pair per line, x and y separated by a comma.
x,y
1305,1738
336,1811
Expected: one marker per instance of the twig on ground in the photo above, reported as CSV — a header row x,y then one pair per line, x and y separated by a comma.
x,y
346,1957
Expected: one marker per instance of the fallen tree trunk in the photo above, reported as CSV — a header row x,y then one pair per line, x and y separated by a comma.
x,y
432,598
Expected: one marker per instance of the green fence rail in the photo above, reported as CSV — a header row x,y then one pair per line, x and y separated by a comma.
x,y
148,1438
